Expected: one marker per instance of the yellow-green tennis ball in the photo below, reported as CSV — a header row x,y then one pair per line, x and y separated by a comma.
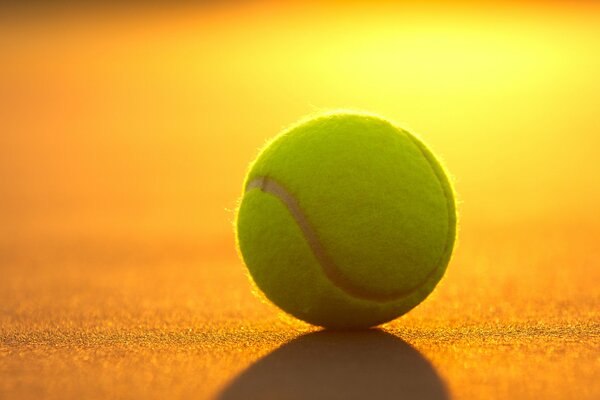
x,y
346,220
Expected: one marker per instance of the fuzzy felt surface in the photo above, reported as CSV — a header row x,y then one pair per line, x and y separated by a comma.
x,y
380,205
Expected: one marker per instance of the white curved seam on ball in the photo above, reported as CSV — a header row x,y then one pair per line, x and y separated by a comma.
x,y
270,186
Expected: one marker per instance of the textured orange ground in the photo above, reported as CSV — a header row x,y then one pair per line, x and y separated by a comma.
x,y
125,137
516,316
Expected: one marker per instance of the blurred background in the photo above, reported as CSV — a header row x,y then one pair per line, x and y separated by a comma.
x,y
125,134
142,119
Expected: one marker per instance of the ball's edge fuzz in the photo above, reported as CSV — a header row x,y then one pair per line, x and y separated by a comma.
x,y
442,176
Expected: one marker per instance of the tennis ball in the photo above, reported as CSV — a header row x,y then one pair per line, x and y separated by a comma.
x,y
346,220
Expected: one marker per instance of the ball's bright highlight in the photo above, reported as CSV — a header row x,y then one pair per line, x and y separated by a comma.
x,y
346,221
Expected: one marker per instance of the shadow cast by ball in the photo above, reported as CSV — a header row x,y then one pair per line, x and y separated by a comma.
x,y
340,365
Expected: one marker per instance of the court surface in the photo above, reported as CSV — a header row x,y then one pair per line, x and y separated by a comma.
x,y
516,316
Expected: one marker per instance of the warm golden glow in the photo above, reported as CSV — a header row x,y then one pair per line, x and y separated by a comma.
x,y
126,132
115,122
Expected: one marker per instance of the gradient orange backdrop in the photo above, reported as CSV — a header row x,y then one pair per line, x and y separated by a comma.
x,y
141,121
